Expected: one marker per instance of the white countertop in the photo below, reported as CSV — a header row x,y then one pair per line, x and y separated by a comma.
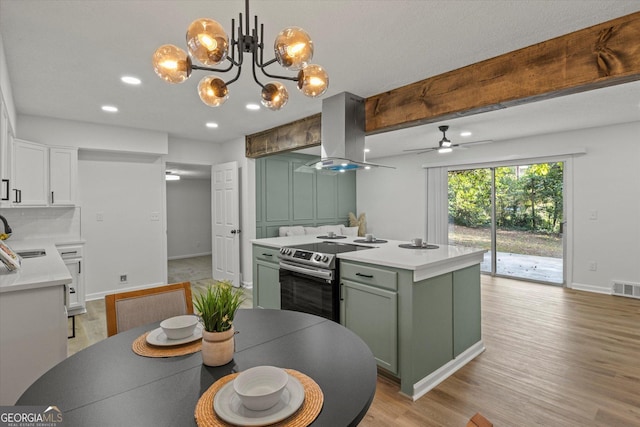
x,y
44,271
424,263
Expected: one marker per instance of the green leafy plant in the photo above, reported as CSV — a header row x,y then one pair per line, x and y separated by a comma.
x,y
217,305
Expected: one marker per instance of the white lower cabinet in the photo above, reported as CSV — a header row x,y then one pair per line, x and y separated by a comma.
x,y
37,345
72,255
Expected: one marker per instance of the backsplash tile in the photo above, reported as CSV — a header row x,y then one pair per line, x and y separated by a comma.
x,y
60,223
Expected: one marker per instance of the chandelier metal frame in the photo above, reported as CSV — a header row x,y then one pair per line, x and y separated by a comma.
x,y
209,44
246,43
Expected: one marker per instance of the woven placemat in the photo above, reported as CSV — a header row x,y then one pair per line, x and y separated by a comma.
x,y
143,348
311,407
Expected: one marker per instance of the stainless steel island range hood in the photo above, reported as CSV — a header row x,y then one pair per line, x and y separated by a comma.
x,y
342,127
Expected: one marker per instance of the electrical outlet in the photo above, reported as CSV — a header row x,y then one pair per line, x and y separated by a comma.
x,y
99,216
593,266
123,278
155,216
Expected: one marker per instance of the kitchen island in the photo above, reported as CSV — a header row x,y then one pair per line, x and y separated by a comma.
x,y
33,318
417,309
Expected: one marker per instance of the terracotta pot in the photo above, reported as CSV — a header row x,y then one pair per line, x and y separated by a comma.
x,y
217,347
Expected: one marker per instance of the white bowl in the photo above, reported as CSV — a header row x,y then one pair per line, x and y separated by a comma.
x,y
260,388
179,327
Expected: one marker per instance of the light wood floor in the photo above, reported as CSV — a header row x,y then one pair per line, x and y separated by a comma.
x,y
554,357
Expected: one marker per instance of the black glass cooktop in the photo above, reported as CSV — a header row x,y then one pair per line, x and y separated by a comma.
x,y
331,247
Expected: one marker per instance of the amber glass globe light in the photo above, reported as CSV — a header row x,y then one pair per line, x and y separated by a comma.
x,y
313,80
274,96
213,91
293,48
207,41
171,63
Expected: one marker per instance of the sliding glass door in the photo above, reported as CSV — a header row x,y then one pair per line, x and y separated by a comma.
x,y
516,213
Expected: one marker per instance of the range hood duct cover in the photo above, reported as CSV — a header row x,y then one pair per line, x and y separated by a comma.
x,y
342,133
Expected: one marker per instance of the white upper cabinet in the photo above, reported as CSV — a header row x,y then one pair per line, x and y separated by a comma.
x,y
63,175
42,175
30,171
6,140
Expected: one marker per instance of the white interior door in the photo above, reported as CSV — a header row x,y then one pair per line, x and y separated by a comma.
x,y
226,221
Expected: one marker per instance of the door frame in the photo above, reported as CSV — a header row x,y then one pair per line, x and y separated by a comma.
x,y
437,210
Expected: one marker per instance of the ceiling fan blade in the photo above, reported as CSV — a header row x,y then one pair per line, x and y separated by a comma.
x,y
469,144
420,150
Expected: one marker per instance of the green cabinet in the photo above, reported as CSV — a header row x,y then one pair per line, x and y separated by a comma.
x,y
466,309
289,193
413,328
266,277
369,307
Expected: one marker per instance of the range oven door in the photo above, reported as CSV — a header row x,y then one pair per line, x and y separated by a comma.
x,y
309,290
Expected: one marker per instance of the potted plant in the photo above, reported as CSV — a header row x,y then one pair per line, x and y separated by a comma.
x,y
217,307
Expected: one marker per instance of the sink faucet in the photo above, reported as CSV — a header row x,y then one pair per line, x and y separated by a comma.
x,y
7,229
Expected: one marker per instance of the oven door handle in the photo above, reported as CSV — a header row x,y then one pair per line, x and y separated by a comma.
x,y
309,271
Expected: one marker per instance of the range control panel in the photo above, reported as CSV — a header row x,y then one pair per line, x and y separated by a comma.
x,y
307,257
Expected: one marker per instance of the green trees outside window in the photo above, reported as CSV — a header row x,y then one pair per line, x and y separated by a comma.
x,y
528,198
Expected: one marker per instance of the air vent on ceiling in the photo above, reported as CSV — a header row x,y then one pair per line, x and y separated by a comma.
x,y
626,289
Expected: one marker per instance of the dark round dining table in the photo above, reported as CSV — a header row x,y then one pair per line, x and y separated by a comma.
x,y
107,384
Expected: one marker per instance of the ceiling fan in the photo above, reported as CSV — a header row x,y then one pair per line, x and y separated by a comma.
x,y
445,145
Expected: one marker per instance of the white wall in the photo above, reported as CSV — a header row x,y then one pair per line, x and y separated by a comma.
x,y
393,200
126,187
605,180
70,133
120,195
188,218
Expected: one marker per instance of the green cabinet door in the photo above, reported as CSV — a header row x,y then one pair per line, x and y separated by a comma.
x,y
266,277
267,294
372,313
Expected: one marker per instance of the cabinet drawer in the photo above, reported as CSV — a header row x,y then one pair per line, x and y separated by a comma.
x,y
370,275
266,254
70,251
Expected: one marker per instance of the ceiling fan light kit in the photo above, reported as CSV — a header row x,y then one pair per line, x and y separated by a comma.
x,y
209,45
445,145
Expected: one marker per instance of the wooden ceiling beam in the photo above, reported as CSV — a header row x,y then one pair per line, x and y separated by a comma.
x,y
603,55
303,133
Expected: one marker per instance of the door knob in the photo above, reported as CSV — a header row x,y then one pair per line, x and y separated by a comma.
x,y
235,231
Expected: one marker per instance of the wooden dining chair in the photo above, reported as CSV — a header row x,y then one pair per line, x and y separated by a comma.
x,y
127,310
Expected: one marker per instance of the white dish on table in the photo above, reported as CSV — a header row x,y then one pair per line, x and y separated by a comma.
x,y
159,338
178,327
228,406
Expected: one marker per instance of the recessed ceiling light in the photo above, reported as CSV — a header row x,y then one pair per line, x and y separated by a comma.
x,y
211,125
465,133
253,107
130,80
110,108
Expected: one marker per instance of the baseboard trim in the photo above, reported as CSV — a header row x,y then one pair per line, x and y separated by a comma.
x,y
101,295
590,288
429,382
171,258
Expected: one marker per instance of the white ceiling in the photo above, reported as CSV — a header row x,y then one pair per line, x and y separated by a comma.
x,y
65,60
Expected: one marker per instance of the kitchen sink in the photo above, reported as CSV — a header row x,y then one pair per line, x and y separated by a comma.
x,y
33,253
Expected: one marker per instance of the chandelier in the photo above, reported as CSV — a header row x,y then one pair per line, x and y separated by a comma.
x,y
208,43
